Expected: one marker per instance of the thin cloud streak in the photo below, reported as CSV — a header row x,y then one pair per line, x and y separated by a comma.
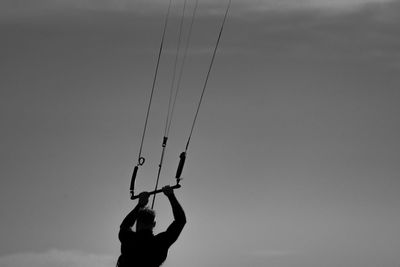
x,y
271,253
25,7
328,5
57,258
368,34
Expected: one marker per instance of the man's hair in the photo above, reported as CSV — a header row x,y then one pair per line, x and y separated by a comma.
x,y
146,216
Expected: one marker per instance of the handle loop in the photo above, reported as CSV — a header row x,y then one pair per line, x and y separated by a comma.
x,y
141,161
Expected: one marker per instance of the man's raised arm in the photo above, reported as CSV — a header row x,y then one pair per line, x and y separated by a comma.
x,y
130,219
177,210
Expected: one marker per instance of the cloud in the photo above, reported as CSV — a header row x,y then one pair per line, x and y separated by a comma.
x,y
270,253
368,34
23,7
57,258
316,4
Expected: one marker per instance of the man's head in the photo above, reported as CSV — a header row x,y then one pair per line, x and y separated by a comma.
x,y
145,219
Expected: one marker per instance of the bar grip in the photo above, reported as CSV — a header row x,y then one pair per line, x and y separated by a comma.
x,y
157,191
182,157
132,187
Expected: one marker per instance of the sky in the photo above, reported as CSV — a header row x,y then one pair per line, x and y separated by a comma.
x,y
294,160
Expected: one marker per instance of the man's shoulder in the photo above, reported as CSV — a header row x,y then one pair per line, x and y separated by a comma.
x,y
160,235
125,231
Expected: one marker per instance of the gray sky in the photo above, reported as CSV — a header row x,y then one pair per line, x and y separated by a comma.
x,y
294,161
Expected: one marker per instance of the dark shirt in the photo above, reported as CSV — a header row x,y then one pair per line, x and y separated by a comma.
x,y
143,249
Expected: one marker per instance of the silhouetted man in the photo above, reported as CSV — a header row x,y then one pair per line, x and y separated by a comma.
x,y
142,248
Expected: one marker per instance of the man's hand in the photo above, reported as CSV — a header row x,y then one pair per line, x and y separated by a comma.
x,y
168,191
143,199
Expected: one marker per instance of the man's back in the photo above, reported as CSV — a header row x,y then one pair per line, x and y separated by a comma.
x,y
142,248
145,249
